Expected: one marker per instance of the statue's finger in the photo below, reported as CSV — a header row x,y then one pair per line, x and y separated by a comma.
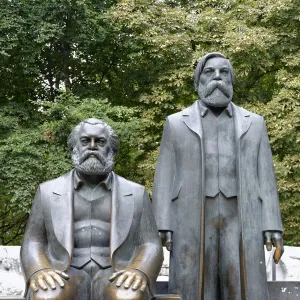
x,y
42,283
62,274
33,285
143,286
169,242
279,250
115,275
162,235
49,280
129,281
121,279
137,283
268,241
57,278
169,246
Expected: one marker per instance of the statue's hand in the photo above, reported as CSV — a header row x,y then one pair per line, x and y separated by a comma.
x,y
167,236
47,278
274,238
130,278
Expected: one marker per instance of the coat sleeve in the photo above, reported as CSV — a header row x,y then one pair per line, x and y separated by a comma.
x,y
271,217
164,180
149,256
33,250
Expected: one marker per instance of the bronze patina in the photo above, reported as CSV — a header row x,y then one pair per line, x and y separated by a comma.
x,y
91,233
215,197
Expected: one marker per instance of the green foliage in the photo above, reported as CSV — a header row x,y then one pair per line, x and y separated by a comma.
x,y
131,62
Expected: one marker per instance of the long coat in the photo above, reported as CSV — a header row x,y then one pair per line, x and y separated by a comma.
x,y
134,240
179,195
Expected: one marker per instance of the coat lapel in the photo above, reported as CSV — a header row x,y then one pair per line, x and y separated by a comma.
x,y
121,212
191,117
61,203
242,120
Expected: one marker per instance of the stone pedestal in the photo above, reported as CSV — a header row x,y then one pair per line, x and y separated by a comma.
x,y
12,282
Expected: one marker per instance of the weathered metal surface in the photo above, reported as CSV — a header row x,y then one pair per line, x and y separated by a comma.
x,y
197,158
278,290
62,243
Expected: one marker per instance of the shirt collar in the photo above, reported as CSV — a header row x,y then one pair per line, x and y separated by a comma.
x,y
78,181
204,109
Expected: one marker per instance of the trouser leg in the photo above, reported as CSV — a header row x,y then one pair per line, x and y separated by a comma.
x,y
222,257
103,289
211,258
99,283
229,259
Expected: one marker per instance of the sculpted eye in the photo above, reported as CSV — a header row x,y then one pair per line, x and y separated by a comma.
x,y
224,71
208,71
84,141
101,141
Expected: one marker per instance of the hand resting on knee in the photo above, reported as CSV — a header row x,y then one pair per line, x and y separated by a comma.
x,y
46,278
130,278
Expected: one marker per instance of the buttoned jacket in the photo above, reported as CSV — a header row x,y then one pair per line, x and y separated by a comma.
x,y
134,240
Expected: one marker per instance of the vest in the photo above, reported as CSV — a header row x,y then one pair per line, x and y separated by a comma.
x,y
220,153
92,228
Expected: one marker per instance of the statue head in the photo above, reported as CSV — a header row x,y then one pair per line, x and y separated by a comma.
x,y
214,80
93,144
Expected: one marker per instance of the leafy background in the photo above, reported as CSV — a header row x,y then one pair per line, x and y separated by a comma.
x,y
131,63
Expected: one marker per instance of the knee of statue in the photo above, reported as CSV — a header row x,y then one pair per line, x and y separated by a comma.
x,y
57,294
48,294
112,292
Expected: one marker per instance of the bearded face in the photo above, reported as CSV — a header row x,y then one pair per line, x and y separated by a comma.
x,y
216,93
92,162
92,154
215,84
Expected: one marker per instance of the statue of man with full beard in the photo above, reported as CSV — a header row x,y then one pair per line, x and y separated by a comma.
x,y
214,195
91,234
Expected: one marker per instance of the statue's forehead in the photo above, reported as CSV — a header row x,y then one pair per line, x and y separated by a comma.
x,y
217,62
93,130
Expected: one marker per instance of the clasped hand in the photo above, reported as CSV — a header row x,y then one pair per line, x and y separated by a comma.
x,y
130,278
47,278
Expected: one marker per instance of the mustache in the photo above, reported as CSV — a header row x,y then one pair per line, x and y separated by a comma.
x,y
85,155
217,84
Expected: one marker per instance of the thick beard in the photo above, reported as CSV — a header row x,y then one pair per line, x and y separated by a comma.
x,y
216,94
95,165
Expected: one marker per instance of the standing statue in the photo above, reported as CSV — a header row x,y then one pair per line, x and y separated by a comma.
x,y
91,234
215,197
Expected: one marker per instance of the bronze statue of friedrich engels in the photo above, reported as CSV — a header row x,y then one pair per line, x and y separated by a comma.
x,y
215,196
91,234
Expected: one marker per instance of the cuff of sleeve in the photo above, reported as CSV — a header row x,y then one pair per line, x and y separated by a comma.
x,y
37,271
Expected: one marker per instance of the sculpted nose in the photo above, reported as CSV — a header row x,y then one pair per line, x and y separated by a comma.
x,y
217,75
92,144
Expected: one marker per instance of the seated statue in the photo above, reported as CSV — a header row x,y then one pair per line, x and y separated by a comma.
x,y
91,234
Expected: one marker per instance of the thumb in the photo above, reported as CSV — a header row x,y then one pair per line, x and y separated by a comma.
x,y
268,240
115,275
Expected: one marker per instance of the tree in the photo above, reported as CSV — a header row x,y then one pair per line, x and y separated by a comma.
x,y
132,63
261,39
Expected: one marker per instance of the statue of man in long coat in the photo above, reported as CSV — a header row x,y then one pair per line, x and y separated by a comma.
x,y
215,197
